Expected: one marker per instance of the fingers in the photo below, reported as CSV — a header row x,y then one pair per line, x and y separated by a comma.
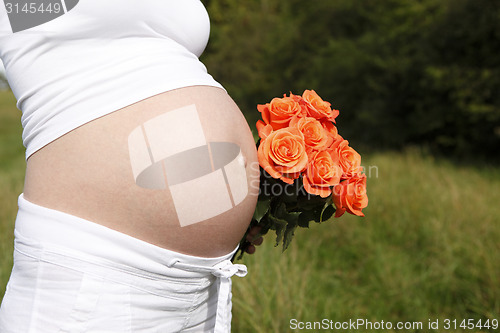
x,y
251,238
252,233
258,241
250,249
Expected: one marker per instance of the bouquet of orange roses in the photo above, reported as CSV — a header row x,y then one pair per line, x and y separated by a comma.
x,y
309,173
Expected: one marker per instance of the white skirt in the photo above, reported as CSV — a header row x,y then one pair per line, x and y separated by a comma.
x,y
73,275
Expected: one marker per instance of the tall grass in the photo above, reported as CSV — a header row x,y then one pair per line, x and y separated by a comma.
x,y
427,249
12,167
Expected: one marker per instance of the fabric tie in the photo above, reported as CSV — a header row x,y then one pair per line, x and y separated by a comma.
x,y
223,271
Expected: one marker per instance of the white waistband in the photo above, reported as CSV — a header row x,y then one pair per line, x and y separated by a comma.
x,y
53,229
49,226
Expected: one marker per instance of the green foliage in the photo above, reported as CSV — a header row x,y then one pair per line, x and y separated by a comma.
x,y
401,72
12,167
285,207
4,85
427,249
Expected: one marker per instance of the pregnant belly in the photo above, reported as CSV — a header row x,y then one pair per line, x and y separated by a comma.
x,y
178,170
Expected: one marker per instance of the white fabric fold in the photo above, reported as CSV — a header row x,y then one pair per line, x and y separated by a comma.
x,y
223,271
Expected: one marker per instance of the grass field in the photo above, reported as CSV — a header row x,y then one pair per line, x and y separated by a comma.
x,y
428,249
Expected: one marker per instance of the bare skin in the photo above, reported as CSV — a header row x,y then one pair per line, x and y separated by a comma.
x,y
87,173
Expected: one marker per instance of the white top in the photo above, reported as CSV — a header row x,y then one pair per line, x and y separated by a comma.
x,y
70,64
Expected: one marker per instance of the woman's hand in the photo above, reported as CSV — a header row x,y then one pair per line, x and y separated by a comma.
x,y
254,231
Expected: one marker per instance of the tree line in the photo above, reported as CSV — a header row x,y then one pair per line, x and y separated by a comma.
x,y
401,72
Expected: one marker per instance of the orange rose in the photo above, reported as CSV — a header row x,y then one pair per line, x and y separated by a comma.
x,y
280,111
263,129
350,195
349,159
331,129
282,154
317,107
315,136
323,171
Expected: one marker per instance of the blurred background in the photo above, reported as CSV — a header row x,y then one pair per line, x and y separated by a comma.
x,y
3,80
401,72
417,84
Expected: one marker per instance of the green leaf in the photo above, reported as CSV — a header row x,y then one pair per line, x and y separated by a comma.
x,y
261,209
287,239
327,212
280,210
320,210
329,200
283,222
290,192
305,218
269,186
291,217
310,202
279,225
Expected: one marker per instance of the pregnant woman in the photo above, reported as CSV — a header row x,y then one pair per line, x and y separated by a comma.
x,y
141,171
